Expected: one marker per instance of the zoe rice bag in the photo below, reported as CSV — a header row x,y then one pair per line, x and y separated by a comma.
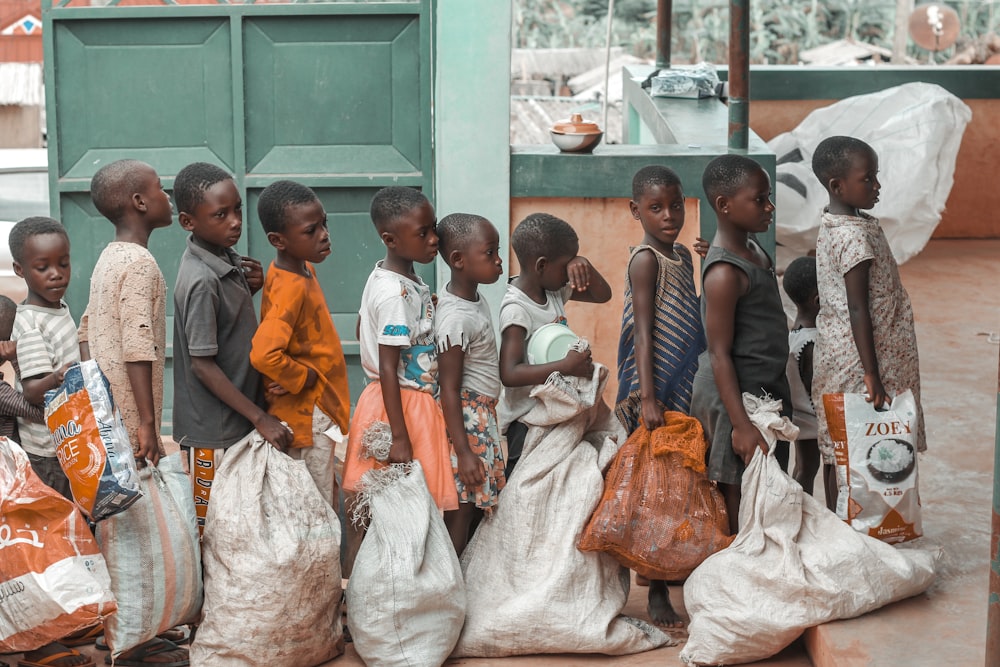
x,y
876,465
91,442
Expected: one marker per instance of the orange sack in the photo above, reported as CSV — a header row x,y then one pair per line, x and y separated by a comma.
x,y
660,515
53,579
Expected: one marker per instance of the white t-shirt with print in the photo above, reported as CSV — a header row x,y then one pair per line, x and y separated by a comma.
x,y
469,325
398,311
519,309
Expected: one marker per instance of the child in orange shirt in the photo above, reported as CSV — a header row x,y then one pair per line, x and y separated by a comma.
x,y
296,346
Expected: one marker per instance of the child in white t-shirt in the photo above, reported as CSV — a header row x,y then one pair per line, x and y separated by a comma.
x,y
468,368
551,274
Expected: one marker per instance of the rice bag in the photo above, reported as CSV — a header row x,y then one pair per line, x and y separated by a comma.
x,y
53,579
91,442
876,456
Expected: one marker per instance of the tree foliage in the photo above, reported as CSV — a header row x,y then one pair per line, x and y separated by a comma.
x,y
780,29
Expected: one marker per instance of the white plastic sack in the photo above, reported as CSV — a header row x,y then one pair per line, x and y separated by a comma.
x,y
793,565
877,490
406,598
153,558
272,565
530,589
53,579
915,129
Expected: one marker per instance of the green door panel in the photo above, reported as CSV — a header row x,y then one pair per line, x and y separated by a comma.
x,y
158,90
333,94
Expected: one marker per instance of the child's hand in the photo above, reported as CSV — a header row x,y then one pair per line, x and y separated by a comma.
x,y
876,392
275,389
470,467
148,449
578,270
652,415
701,247
401,450
579,364
8,350
746,440
61,373
254,273
276,433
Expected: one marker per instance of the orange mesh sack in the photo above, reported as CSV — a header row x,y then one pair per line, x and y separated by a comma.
x,y
660,515
53,579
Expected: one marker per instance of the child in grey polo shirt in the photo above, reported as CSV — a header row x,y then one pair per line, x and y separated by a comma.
x,y
217,393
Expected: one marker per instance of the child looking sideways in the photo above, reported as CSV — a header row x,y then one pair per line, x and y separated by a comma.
x,y
296,346
398,354
217,392
467,367
661,325
799,283
551,274
866,341
124,328
13,405
744,323
45,333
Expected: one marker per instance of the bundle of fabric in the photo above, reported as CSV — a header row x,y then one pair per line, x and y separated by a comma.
x,y
793,565
530,590
660,514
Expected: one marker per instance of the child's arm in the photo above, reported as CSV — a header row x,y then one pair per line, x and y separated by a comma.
x,y
82,334
806,366
515,371
587,282
140,377
723,286
388,363
451,363
34,388
209,374
856,281
13,404
253,271
8,350
642,272
269,350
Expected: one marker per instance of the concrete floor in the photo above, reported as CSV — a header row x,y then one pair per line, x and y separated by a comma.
x,y
957,305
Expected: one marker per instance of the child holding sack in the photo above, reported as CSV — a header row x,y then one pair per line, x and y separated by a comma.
x,y
661,334
866,340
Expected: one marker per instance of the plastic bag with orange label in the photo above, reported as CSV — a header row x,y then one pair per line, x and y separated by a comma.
x,y
91,442
876,456
53,579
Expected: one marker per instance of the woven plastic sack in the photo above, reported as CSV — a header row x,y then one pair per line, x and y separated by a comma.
x,y
793,565
877,490
53,580
272,565
530,589
91,442
153,557
406,598
660,514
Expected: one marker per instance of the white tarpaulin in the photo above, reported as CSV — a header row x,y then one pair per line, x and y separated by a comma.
x,y
915,129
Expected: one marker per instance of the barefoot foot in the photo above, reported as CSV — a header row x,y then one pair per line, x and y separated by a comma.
x,y
661,612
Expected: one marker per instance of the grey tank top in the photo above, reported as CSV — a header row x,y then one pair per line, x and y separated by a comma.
x,y
760,333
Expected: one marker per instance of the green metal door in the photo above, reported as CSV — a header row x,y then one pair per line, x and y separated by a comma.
x,y
336,95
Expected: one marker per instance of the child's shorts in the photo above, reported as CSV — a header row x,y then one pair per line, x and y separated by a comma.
x,y
480,416
428,437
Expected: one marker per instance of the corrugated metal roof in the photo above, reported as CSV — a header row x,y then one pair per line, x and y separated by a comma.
x,y
21,84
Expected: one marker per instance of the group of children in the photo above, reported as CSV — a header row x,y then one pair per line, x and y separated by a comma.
x,y
440,389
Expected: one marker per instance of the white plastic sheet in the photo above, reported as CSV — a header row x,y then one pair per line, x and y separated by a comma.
x,y
915,129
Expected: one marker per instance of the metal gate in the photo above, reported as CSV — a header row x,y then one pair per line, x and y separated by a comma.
x,y
336,95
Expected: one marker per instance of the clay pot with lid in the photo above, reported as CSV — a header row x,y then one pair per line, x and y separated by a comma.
x,y
576,135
